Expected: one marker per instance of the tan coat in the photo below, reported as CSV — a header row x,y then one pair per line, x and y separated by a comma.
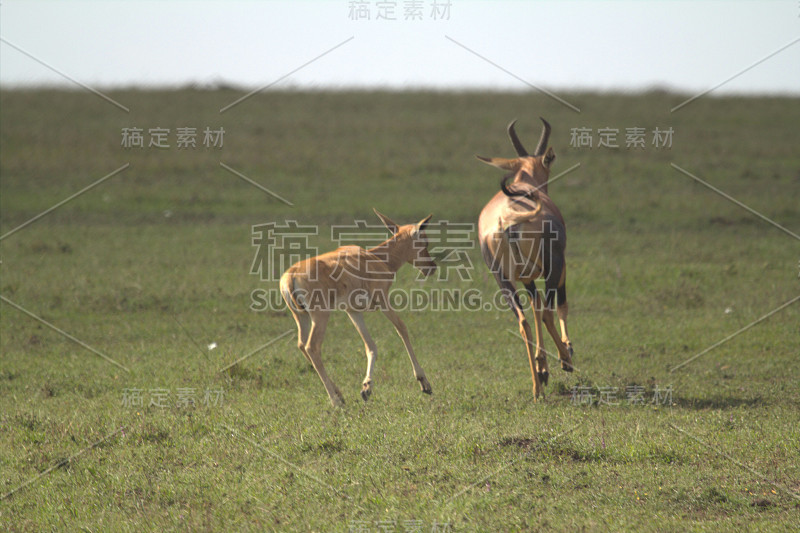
x,y
354,280
523,238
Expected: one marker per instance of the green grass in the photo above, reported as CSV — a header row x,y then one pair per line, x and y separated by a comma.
x,y
153,265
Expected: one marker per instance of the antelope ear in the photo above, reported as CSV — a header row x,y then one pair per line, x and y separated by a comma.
x,y
548,158
391,226
421,225
506,164
424,222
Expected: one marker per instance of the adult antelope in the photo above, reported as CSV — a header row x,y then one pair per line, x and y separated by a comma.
x,y
355,280
522,238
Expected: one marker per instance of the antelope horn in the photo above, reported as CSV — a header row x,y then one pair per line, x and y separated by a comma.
x,y
515,140
542,146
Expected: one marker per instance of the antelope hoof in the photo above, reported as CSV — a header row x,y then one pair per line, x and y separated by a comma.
x,y
426,387
566,358
543,377
366,390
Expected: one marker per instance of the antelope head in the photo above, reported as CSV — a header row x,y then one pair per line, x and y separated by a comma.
x,y
412,243
533,169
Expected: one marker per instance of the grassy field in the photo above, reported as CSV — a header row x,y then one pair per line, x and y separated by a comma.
x,y
138,429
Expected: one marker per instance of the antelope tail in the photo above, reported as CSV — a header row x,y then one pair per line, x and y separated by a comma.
x,y
289,292
512,218
533,193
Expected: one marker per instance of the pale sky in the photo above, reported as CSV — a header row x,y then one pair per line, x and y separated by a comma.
x,y
504,45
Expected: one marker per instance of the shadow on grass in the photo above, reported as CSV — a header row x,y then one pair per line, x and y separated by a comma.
x,y
546,449
719,402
